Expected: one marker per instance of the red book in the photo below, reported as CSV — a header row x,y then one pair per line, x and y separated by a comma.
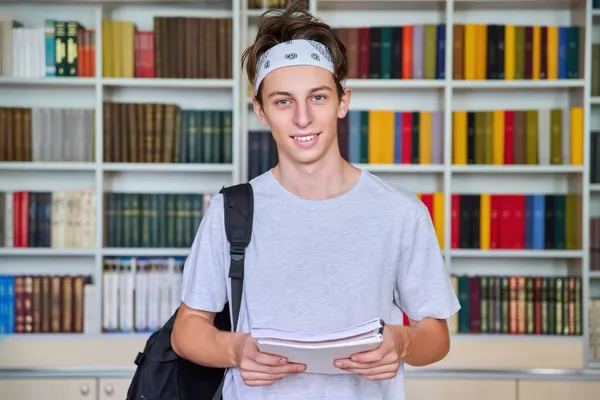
x,y
495,211
504,221
455,222
407,51
24,219
427,199
406,137
364,46
518,225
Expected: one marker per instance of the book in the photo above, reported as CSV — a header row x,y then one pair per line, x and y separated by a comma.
x,y
318,351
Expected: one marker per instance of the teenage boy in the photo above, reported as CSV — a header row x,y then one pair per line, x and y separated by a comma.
x,y
332,245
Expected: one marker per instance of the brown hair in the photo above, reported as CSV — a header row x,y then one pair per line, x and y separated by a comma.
x,y
295,22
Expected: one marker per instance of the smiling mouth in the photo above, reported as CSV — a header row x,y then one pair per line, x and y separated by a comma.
x,y
306,138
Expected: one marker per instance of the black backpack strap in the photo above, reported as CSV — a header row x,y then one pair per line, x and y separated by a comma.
x,y
238,202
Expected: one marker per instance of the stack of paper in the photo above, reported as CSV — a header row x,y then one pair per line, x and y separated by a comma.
x,y
319,351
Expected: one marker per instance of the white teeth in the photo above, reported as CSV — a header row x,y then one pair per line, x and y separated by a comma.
x,y
305,138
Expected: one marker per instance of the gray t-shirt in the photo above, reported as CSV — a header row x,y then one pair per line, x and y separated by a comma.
x,y
323,266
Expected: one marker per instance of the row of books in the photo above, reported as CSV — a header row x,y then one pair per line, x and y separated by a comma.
x,y
44,304
594,245
524,305
178,47
395,52
392,137
513,51
47,134
513,221
262,152
480,51
523,137
59,48
166,133
139,293
270,4
64,219
153,220
67,219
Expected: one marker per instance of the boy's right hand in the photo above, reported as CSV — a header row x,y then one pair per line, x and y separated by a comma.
x,y
262,369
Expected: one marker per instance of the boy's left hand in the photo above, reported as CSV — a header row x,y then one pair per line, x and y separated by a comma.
x,y
381,363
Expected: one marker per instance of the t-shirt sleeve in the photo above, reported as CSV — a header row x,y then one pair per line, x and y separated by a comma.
x,y
423,285
204,284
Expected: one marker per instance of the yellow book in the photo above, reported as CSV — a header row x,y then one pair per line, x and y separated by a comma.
x,y
459,137
484,221
536,56
481,52
117,50
576,136
425,137
128,31
374,137
552,52
438,216
381,136
107,56
498,137
509,52
470,60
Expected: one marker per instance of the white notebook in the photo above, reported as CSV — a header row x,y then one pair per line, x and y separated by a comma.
x,y
319,351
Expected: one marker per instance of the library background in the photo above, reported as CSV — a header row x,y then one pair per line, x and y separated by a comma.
x,y
119,120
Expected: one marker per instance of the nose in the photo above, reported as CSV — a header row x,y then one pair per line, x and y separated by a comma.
x,y
302,115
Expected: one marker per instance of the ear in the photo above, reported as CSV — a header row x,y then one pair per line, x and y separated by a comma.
x,y
344,103
260,113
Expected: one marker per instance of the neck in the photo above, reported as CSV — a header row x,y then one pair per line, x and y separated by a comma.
x,y
327,178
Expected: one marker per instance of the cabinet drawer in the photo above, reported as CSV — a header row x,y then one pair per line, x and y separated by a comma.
x,y
460,389
48,389
559,390
111,389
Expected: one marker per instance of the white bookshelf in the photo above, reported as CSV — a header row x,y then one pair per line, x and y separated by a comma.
x,y
449,95
444,94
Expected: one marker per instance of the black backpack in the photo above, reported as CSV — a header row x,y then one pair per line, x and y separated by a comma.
x,y
162,374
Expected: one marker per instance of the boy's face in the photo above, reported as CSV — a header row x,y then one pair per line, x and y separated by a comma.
x,y
301,107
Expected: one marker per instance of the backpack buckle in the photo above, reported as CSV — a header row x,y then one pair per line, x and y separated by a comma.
x,y
236,267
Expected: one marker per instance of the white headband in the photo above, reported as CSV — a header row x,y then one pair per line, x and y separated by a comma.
x,y
292,52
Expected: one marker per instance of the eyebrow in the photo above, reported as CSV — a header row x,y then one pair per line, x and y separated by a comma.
x,y
281,93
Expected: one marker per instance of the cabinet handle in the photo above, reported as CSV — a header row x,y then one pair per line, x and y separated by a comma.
x,y
108,390
85,390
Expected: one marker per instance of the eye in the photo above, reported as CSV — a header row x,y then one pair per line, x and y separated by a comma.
x,y
319,97
281,102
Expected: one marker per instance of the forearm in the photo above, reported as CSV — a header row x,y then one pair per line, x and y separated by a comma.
x,y
196,339
424,343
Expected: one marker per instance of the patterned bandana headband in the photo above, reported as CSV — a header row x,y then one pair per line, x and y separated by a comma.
x,y
290,53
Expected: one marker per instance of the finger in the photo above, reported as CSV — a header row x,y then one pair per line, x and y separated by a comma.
x,y
270,359
262,376
264,382
370,356
389,358
253,366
